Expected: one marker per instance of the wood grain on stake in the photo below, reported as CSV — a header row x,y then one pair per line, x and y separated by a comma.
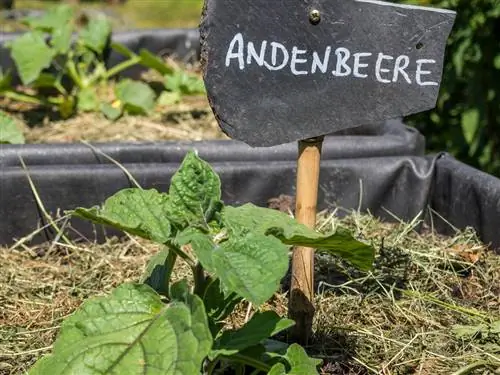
x,y
301,308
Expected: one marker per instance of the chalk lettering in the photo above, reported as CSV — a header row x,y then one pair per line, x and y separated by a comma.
x,y
421,72
295,61
299,61
400,65
252,53
238,38
358,64
343,55
379,69
274,57
322,65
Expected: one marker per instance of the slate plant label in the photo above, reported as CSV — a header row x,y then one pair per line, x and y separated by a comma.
x,y
274,74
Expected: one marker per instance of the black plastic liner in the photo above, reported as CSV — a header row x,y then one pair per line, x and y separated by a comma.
x,y
447,191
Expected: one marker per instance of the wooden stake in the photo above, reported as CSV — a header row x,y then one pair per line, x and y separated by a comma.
x,y
301,306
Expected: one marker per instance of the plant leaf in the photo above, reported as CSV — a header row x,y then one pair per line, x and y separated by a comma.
x,y
154,62
87,100
136,97
249,217
136,211
299,362
183,83
95,35
159,270
250,265
111,112
9,132
46,80
122,49
218,305
195,193
131,331
169,98
61,38
262,326
31,56
55,18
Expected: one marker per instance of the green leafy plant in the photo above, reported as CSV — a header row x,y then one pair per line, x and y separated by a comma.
x,y
9,132
158,326
466,119
64,66
179,84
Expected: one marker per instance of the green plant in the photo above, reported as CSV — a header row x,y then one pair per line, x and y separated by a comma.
x,y
466,119
164,327
9,132
178,84
63,66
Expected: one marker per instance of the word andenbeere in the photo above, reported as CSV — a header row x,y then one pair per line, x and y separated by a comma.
x,y
275,56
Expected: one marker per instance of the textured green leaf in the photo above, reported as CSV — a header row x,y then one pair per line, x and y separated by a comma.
x,y
131,332
111,112
250,218
96,34
136,97
46,80
251,265
195,192
55,18
260,327
9,131
122,49
159,270
169,98
218,305
136,211
154,62
470,125
31,56
61,38
183,83
201,244
299,363
87,100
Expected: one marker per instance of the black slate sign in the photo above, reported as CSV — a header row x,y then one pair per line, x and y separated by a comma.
x,y
281,71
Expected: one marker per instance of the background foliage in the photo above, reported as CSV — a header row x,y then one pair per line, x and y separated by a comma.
x,y
466,120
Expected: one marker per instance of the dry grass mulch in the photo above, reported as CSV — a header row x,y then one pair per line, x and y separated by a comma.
x,y
403,317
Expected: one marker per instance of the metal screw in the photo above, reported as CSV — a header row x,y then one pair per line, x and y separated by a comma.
x,y
314,16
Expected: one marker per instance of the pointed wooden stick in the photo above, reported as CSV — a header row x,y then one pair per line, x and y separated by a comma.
x,y
301,302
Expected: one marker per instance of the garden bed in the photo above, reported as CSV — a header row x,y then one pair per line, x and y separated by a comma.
x,y
362,326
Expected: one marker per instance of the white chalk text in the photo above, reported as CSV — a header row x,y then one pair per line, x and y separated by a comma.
x,y
340,62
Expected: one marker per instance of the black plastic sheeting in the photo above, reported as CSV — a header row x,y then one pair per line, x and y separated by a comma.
x,y
445,190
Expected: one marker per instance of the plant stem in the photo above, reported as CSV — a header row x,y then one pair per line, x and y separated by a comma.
x,y
122,66
199,280
73,73
31,99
